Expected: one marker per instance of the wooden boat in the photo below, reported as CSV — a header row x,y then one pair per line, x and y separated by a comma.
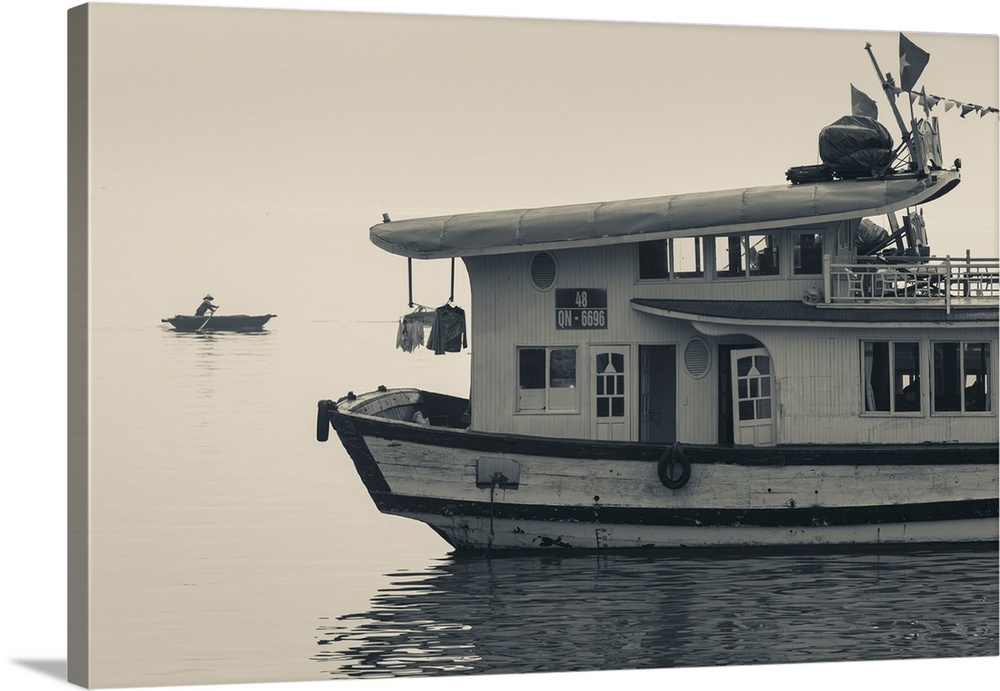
x,y
764,366
220,322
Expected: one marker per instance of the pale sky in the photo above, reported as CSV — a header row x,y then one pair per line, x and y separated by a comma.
x,y
594,141
247,152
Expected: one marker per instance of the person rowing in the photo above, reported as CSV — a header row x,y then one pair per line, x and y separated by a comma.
x,y
205,306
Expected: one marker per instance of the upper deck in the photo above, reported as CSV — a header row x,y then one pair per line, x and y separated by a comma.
x,y
778,243
944,282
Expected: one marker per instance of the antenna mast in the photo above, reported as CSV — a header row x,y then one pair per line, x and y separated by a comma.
x,y
887,87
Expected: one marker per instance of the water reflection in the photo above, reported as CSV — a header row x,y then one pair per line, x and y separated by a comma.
x,y
217,336
206,339
209,369
531,614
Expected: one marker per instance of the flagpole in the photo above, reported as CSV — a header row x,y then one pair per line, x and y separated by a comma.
x,y
887,85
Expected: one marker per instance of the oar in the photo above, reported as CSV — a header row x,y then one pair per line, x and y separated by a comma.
x,y
206,321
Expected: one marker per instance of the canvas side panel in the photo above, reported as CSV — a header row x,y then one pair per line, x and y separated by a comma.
x,y
78,668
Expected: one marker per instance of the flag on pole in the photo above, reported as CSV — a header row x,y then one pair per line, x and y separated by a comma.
x,y
861,104
912,61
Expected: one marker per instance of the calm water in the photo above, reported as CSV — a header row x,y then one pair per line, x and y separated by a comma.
x,y
462,616
229,546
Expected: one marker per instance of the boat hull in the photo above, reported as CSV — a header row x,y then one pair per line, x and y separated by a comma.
x,y
469,533
482,491
222,322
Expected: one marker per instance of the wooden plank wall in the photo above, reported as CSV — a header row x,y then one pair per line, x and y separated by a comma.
x,y
818,378
817,371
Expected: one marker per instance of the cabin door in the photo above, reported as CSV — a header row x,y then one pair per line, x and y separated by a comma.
x,y
611,392
753,387
657,393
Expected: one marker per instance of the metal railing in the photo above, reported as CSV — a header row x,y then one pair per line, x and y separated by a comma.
x,y
925,281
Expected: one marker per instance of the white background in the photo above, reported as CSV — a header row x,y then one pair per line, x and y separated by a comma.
x,y
33,385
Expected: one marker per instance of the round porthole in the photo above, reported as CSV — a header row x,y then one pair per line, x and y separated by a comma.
x,y
543,270
697,358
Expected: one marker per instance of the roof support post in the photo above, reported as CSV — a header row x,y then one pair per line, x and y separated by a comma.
x,y
947,284
827,279
409,279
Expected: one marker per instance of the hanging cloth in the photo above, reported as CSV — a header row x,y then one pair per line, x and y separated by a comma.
x,y
448,334
403,337
410,334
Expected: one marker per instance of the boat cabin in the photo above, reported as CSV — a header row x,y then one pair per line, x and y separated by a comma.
x,y
812,313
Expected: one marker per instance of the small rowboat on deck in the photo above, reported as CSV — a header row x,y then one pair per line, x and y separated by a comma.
x,y
222,322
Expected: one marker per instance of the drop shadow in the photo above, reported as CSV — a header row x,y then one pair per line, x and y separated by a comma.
x,y
51,668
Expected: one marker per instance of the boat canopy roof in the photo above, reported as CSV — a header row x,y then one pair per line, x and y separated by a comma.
x,y
633,220
797,313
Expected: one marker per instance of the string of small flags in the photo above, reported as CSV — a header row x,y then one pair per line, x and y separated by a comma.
x,y
929,101
912,61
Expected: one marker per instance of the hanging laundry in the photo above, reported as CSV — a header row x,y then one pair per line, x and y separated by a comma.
x,y
410,334
405,337
448,333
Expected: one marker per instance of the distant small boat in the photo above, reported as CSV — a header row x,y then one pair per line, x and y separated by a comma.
x,y
221,322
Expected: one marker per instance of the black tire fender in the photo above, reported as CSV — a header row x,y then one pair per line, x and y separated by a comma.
x,y
323,420
674,469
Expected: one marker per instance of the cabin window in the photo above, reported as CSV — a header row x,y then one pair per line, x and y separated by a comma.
x,y
808,252
891,376
546,380
746,255
962,377
671,259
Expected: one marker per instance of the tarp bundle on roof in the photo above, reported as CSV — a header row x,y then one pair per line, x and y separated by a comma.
x,y
856,145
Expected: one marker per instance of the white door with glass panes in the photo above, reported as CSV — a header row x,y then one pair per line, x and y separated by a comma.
x,y
753,403
610,393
